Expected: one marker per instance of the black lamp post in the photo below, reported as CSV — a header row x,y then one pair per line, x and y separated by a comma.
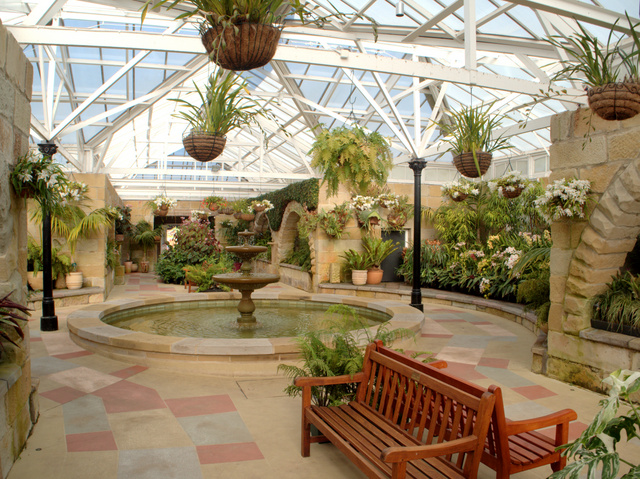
x,y
417,165
49,320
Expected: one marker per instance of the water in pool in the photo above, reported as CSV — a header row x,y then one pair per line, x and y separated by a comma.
x,y
217,319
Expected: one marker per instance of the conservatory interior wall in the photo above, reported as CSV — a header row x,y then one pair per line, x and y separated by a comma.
x,y
587,254
18,404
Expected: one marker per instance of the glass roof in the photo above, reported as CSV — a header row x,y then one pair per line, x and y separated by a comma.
x,y
102,84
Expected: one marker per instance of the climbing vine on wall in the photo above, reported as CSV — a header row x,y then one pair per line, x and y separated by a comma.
x,y
304,192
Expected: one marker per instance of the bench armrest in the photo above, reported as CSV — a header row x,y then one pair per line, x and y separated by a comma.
x,y
410,453
308,381
439,364
553,419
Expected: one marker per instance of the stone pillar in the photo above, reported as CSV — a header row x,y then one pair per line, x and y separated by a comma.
x,y
18,399
587,254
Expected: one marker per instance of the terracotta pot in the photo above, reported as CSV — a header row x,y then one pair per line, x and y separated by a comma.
x,y
74,280
240,47
203,146
466,165
359,277
36,282
615,101
134,267
144,266
162,211
127,266
374,276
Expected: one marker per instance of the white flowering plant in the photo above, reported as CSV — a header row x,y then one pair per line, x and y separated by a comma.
x,y
262,205
565,198
509,183
363,203
39,177
163,202
388,200
458,190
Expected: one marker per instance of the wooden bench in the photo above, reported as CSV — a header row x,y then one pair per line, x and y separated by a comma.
x,y
402,423
512,446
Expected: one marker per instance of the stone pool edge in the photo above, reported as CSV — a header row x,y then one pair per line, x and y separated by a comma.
x,y
225,357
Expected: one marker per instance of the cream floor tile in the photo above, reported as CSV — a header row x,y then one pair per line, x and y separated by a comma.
x,y
94,465
156,428
84,379
38,464
178,385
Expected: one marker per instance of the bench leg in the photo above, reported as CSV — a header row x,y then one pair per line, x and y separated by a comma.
x,y
306,438
562,437
399,470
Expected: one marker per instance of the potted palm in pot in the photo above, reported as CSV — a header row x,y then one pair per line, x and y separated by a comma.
x,y
610,74
376,250
357,263
222,107
469,135
145,236
351,156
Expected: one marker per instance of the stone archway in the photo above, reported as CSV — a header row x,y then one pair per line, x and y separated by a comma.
x,y
587,254
288,228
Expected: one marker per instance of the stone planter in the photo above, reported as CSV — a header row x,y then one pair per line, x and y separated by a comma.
x,y
74,280
35,281
127,266
61,282
134,267
359,277
616,328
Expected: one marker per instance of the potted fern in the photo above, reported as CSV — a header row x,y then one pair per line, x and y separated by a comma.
x,y
469,135
376,250
352,156
223,106
357,263
610,74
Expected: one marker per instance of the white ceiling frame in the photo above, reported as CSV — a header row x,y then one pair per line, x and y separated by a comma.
x,y
433,21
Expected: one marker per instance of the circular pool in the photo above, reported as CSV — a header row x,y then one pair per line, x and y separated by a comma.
x,y
238,357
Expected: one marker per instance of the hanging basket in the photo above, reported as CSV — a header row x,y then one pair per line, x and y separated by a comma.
x,y
241,47
247,216
214,207
226,211
466,165
512,194
258,209
615,101
459,198
203,146
162,211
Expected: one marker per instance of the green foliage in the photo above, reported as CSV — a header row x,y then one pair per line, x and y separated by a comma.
x,y
434,258
39,177
9,319
351,156
223,106
336,351
123,220
376,250
620,303
60,262
202,274
469,130
145,236
596,446
399,215
112,257
534,291
355,260
194,243
304,192
299,254
213,200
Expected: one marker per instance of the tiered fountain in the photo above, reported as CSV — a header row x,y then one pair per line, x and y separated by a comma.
x,y
245,281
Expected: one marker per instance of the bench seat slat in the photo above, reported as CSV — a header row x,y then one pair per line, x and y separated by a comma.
x,y
527,448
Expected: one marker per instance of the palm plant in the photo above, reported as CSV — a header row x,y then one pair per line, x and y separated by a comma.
x,y
377,250
355,260
145,236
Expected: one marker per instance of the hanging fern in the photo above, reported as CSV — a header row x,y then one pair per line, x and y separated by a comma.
x,y
351,156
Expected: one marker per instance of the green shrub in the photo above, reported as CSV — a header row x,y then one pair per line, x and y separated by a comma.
x,y
299,254
304,192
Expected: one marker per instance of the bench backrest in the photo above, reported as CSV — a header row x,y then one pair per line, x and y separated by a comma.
x,y
497,439
426,407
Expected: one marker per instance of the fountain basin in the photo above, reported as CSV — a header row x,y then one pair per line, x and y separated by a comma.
x,y
221,357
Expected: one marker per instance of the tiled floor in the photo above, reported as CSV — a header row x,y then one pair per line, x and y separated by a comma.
x,y
102,418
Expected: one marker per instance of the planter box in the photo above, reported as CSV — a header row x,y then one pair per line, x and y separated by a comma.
x,y
616,328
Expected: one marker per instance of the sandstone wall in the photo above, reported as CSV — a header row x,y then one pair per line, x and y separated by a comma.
x,y
18,405
587,254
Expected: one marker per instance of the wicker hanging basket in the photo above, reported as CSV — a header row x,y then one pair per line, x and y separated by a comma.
x,y
512,194
247,216
241,47
162,211
203,146
466,165
615,101
459,198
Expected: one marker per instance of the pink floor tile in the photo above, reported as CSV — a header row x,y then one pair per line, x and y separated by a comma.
x,y
478,323
35,339
494,330
91,441
242,451
575,429
77,354
534,392
199,406
450,320
494,363
148,287
128,372
464,371
124,396
63,395
437,335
